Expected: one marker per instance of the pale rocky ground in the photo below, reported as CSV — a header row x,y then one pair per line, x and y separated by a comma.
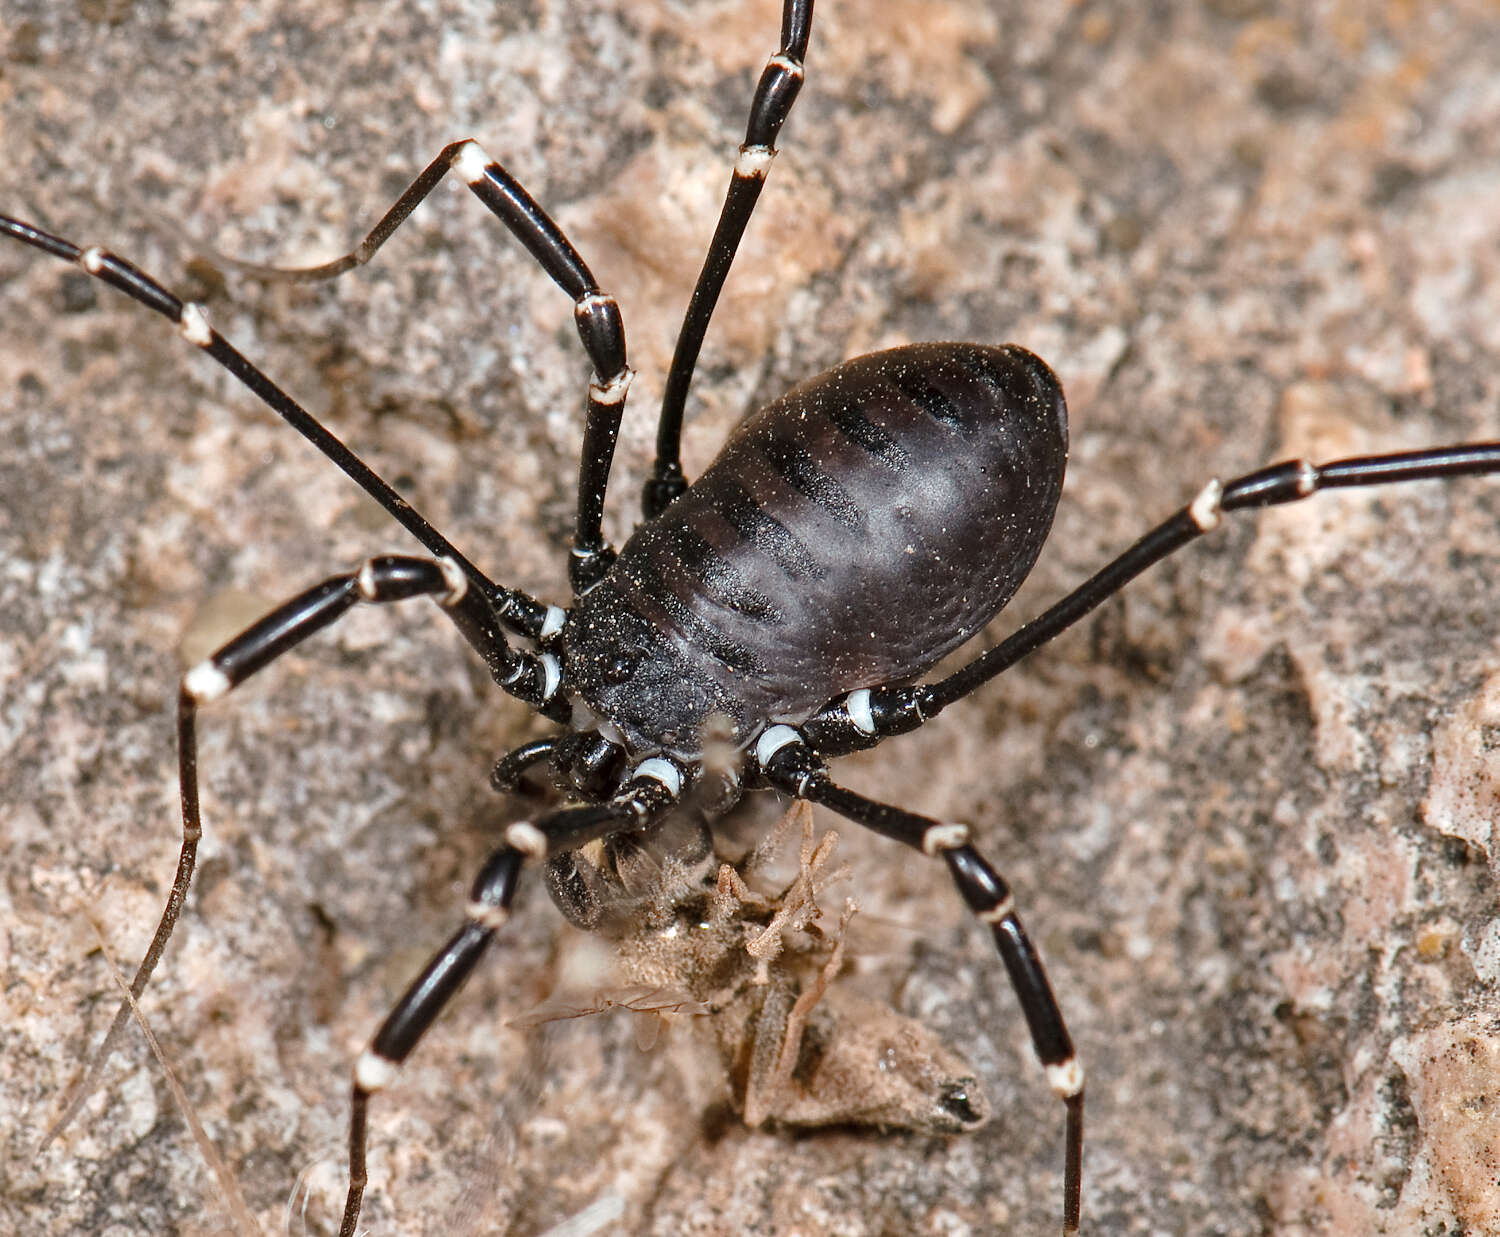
x,y
1247,807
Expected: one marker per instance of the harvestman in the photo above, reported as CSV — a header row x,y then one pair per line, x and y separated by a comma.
x,y
848,536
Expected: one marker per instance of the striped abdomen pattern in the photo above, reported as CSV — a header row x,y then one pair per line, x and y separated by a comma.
x,y
849,534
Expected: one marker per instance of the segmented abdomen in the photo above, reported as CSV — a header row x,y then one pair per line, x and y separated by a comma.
x,y
851,533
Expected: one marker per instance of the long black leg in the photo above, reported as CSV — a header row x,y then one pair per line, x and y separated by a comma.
x,y
863,718
779,84
529,676
516,610
187,858
651,788
790,764
595,313
533,677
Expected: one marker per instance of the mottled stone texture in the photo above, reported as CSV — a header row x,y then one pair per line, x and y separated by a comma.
x,y
1247,808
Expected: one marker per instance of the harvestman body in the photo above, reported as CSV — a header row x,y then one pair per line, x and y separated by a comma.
x,y
847,537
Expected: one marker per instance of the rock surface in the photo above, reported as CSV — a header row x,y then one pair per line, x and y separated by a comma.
x,y
1246,808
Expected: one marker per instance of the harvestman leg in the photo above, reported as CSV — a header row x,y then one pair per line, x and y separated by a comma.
x,y
595,313
516,610
792,759
863,718
794,767
649,790
533,677
780,82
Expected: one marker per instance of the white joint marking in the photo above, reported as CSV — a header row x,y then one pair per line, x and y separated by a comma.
x,y
373,1072
753,162
515,675
92,259
660,769
364,581
1066,1078
551,675
553,623
772,740
487,916
456,580
782,60
471,162
1002,910
205,682
527,839
1307,478
947,836
590,301
613,391
192,325
857,706
1204,510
